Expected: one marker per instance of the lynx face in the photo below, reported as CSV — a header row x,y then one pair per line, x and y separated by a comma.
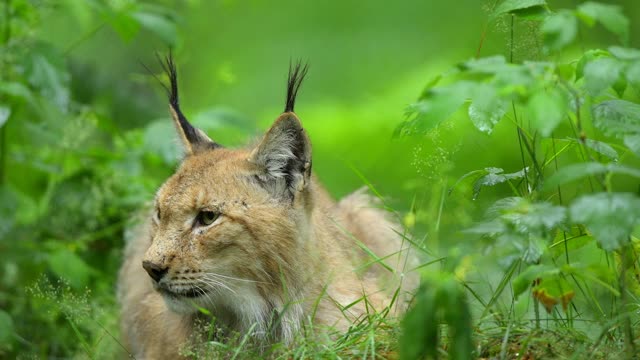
x,y
225,224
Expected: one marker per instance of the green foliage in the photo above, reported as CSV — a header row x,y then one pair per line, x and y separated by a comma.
x,y
440,299
562,202
545,209
610,217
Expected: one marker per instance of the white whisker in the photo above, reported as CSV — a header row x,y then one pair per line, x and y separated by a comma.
x,y
235,278
217,282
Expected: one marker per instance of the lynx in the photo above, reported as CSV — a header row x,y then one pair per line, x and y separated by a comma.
x,y
250,236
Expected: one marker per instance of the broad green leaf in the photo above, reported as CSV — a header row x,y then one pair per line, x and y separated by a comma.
x,y
17,90
633,75
620,85
435,107
610,16
159,25
495,176
487,65
558,31
69,266
487,228
600,147
502,206
486,108
610,217
525,279
617,117
47,72
625,53
420,326
533,249
6,328
565,71
452,300
587,57
546,110
5,112
122,21
633,143
578,171
515,6
535,217
601,74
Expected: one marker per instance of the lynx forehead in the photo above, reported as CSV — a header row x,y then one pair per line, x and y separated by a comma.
x,y
250,237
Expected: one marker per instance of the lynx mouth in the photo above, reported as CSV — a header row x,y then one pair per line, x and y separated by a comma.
x,y
191,293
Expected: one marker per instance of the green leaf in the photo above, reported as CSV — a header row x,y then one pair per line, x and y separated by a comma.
x,y
47,72
435,107
601,74
5,112
525,279
158,24
558,31
487,65
610,16
452,299
610,217
617,117
565,71
487,228
600,147
122,20
633,143
69,266
17,90
587,57
535,217
486,108
625,53
633,75
546,110
420,327
440,299
494,176
578,171
517,6
6,328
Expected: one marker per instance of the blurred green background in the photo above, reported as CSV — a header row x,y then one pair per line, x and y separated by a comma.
x,y
87,138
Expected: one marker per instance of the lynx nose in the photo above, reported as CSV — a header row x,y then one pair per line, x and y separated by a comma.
x,y
154,270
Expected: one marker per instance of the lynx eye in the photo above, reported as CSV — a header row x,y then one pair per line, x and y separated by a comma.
x,y
205,218
156,215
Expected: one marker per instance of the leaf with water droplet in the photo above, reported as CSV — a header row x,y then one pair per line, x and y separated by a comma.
x,y
486,108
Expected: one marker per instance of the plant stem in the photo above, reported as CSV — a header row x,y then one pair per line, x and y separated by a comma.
x,y
626,262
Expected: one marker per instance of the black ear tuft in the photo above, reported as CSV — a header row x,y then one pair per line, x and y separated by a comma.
x,y
297,73
193,138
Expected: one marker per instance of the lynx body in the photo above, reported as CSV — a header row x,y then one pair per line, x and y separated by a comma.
x,y
250,236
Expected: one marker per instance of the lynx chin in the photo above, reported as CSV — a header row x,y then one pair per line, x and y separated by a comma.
x,y
249,237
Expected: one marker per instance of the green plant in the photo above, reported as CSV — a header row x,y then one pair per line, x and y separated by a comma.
x,y
575,122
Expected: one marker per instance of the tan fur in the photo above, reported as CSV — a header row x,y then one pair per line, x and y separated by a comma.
x,y
266,254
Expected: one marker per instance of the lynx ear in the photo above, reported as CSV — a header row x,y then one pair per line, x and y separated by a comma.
x,y
283,157
193,139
